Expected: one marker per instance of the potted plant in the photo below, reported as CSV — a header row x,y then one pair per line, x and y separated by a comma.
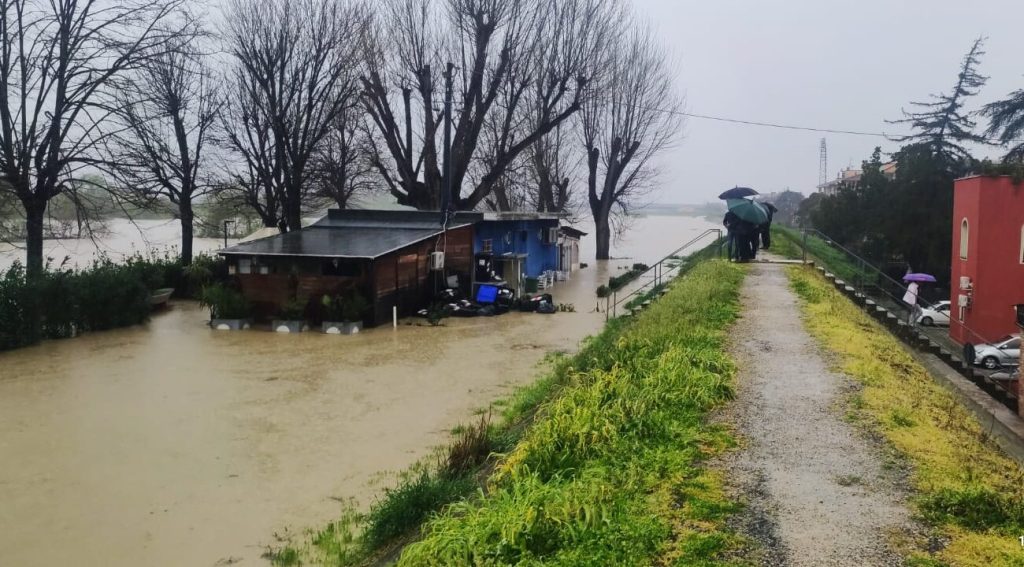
x,y
229,310
343,314
353,307
291,317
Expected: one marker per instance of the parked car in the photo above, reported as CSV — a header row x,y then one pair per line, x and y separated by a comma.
x,y
937,314
1005,352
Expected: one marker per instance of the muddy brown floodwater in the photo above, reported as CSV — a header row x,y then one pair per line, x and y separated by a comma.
x,y
171,444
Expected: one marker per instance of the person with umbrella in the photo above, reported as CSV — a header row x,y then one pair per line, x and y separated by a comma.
x,y
910,297
743,219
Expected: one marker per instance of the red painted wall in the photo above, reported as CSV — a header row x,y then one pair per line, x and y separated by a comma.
x,y
994,209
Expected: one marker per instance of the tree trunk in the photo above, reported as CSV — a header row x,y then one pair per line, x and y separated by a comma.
x,y
35,215
187,218
293,212
603,234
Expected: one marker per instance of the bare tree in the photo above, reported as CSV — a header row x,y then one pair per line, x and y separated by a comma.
x,y
342,168
502,50
632,117
552,167
60,65
293,77
169,110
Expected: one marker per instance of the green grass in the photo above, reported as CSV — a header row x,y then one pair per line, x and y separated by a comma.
x,y
789,243
964,487
610,472
783,243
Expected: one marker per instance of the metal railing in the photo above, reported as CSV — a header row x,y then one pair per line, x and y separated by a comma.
x,y
658,272
871,282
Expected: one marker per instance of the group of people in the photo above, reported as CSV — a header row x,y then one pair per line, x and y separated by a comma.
x,y
744,237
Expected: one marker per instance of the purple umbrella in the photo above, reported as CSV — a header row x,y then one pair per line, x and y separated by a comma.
x,y
919,278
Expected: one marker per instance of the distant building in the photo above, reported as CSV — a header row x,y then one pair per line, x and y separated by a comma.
x,y
850,176
988,258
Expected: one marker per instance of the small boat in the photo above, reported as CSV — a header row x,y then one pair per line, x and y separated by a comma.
x,y
160,296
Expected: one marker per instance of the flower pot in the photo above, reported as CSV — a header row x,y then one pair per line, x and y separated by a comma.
x,y
288,326
230,324
341,327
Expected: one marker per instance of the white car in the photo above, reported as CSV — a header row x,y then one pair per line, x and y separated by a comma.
x,y
937,314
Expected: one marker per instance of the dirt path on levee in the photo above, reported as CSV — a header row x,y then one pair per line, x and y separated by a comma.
x,y
815,488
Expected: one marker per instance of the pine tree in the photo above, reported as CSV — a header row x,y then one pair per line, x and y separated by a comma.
x,y
1006,124
941,124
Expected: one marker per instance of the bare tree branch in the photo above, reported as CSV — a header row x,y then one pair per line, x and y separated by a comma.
x,y
61,68
630,119
293,77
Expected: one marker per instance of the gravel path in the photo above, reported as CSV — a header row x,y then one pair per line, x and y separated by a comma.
x,y
816,491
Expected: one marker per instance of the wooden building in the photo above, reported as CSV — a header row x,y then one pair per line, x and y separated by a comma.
x,y
382,255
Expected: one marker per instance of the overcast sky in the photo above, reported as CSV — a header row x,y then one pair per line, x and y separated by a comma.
x,y
846,65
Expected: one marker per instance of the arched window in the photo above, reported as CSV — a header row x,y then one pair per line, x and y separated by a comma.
x,y
1022,244
964,236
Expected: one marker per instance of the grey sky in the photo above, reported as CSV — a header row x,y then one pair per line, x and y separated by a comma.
x,y
846,65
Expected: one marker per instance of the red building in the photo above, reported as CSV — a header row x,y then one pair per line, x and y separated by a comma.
x,y
988,258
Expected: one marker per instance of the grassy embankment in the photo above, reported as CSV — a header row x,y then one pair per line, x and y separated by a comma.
x,y
964,488
788,242
599,461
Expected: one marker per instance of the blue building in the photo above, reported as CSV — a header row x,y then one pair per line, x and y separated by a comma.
x,y
521,244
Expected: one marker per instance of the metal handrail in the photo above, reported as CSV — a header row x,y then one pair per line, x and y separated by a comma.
x,y
612,302
831,242
896,300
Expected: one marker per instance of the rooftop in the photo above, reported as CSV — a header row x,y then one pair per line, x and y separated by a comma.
x,y
364,234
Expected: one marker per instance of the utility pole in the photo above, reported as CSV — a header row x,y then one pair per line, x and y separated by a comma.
x,y
446,185
823,165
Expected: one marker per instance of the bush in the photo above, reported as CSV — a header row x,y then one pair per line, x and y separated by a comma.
x,y
61,302
294,310
348,307
16,328
224,302
108,296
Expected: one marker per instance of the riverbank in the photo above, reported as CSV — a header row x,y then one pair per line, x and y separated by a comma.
x,y
610,472
963,487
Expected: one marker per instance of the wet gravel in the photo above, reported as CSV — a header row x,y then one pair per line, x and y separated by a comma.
x,y
815,488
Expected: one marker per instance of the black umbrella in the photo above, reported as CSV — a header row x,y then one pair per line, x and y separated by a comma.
x,y
738,193
771,207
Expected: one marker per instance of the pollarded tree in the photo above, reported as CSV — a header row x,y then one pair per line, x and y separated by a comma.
x,y
506,52
61,67
632,117
1006,123
941,124
342,168
169,109
293,76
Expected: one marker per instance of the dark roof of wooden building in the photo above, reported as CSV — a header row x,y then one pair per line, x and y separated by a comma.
x,y
354,234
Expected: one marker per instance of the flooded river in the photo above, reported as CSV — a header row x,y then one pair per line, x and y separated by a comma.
x,y
171,444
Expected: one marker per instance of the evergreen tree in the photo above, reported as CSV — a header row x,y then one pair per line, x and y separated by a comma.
x,y
1006,123
941,124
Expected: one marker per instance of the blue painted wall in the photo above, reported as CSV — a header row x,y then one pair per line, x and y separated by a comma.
x,y
526,238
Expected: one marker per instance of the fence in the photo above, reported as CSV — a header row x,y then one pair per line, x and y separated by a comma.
x,y
658,274
875,289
